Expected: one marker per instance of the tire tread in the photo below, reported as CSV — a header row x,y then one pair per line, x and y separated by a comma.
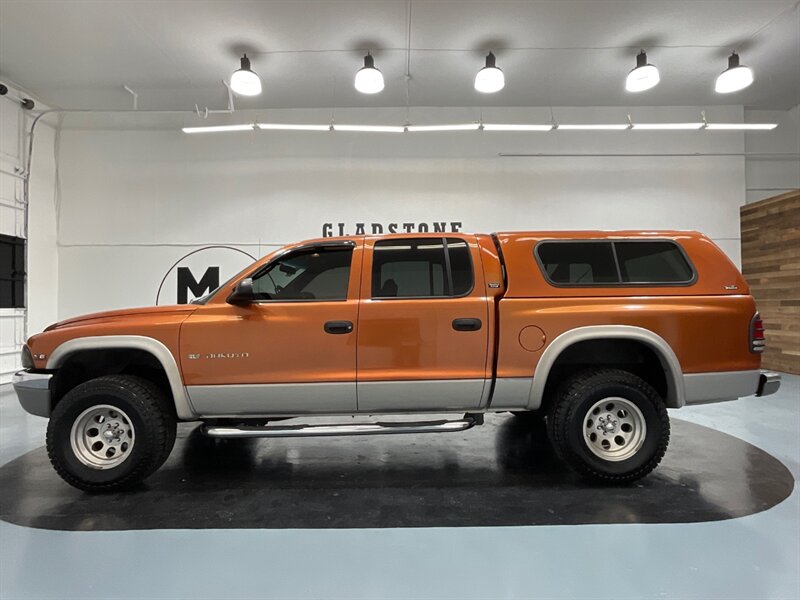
x,y
150,404
562,412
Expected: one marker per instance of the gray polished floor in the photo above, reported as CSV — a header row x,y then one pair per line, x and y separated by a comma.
x,y
756,556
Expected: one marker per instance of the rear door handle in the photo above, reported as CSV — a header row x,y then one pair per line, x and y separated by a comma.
x,y
338,327
466,324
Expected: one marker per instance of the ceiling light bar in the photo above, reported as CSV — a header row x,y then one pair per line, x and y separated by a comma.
x,y
515,127
293,127
595,127
218,128
666,126
457,127
741,126
370,128
485,127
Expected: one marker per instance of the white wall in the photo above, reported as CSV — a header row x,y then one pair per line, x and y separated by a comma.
x,y
137,195
42,288
772,175
42,252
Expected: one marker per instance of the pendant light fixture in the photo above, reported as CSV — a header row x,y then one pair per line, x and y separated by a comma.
x,y
369,80
244,81
643,77
736,77
490,79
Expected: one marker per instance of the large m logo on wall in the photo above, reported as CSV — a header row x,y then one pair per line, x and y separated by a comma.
x,y
187,283
199,272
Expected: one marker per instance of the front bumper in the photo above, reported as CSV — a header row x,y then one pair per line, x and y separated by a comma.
x,y
33,391
768,383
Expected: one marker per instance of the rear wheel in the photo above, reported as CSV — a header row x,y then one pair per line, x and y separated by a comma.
x,y
609,425
109,433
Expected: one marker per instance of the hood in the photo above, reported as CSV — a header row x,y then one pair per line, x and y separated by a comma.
x,y
123,313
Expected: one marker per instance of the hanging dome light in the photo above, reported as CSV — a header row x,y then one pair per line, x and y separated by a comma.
x,y
369,80
244,81
643,77
736,77
490,79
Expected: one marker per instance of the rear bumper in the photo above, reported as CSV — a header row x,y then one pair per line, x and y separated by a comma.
x,y
703,388
768,383
33,391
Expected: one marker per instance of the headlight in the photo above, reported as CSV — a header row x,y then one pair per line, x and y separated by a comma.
x,y
27,358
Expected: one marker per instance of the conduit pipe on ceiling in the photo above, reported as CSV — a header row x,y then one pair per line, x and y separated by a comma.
x,y
25,103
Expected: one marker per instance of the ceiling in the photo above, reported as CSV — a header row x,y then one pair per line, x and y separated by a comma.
x,y
174,54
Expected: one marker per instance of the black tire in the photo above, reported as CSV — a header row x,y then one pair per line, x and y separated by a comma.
x,y
151,419
569,415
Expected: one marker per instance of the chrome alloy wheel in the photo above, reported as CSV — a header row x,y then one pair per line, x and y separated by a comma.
x,y
102,437
614,429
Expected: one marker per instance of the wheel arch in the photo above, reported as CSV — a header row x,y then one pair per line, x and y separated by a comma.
x,y
152,346
675,396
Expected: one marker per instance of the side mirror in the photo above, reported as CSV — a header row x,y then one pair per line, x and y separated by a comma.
x,y
242,293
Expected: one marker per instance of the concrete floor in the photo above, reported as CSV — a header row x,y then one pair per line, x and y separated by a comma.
x,y
756,556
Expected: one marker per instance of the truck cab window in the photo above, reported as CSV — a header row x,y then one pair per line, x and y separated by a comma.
x,y
419,268
315,274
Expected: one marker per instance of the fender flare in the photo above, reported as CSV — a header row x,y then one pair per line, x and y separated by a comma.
x,y
160,352
676,395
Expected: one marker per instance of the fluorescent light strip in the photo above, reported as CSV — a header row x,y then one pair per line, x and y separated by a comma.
x,y
486,127
370,128
218,128
604,127
293,127
515,127
742,126
666,126
458,127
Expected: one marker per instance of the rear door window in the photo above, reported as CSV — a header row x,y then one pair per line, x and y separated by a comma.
x,y
421,268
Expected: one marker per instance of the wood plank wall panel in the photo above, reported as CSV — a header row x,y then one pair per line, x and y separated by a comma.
x,y
771,265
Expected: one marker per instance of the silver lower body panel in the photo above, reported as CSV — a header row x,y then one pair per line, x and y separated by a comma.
x,y
430,395
273,399
704,388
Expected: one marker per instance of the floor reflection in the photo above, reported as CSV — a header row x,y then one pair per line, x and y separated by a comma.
x,y
502,473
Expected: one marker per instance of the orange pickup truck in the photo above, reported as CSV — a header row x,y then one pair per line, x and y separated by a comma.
x,y
595,333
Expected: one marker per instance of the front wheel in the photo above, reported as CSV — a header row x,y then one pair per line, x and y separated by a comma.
x,y
109,433
609,425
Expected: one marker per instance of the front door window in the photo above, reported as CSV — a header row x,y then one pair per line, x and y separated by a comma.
x,y
317,274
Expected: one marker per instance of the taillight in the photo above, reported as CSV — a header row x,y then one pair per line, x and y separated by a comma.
x,y
757,340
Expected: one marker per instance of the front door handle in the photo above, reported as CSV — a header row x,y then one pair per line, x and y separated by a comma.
x,y
338,327
466,324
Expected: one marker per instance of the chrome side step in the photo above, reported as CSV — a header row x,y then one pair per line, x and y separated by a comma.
x,y
266,431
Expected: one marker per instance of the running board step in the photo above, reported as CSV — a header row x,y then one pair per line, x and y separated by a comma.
x,y
266,431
